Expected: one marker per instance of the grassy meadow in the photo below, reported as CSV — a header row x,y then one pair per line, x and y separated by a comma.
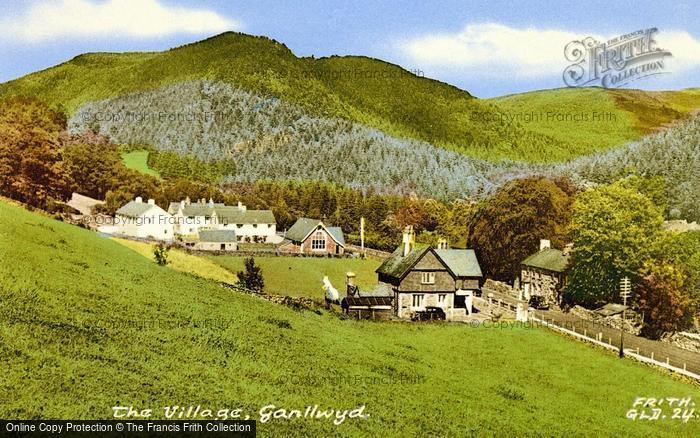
x,y
138,160
86,324
301,276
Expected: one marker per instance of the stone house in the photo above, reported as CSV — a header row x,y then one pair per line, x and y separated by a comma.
x,y
544,273
143,220
312,236
421,277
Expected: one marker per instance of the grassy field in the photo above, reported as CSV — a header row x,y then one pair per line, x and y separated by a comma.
x,y
138,160
301,277
87,324
180,260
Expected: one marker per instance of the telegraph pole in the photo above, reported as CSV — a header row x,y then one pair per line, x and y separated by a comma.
x,y
625,292
362,236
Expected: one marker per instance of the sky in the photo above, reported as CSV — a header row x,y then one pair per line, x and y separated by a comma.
x,y
488,48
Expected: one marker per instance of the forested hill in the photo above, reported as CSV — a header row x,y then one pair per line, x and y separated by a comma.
x,y
367,91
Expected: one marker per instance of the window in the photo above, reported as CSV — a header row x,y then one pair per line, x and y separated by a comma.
x,y
427,278
417,301
442,298
255,225
318,241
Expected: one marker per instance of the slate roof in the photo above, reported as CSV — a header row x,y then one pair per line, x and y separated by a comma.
x,y
217,236
226,214
234,215
337,234
462,262
396,265
134,209
175,206
550,259
303,226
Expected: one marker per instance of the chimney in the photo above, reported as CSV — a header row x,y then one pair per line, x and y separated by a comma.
x,y
182,204
188,201
545,244
408,240
241,207
350,283
151,202
567,249
442,243
211,203
139,199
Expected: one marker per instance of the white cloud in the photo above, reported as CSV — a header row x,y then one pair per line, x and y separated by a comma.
x,y
46,20
492,49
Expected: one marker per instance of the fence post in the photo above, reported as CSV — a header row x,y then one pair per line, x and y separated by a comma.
x,y
652,355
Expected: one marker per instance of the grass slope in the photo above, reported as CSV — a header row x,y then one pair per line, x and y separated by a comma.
x,y
366,90
182,261
138,160
86,324
592,119
301,277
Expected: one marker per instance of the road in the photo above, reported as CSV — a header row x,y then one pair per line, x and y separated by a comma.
x,y
662,351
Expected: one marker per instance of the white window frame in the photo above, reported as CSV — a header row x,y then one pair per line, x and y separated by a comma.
x,y
427,278
318,241
417,301
442,299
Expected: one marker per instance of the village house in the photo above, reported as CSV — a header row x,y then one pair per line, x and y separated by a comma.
x,y
312,236
214,240
249,225
143,220
543,274
422,277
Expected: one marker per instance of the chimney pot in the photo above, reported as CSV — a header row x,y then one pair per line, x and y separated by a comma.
x,y
545,244
151,202
350,283
139,199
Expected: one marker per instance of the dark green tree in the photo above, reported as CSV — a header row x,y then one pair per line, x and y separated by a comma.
x,y
508,226
251,278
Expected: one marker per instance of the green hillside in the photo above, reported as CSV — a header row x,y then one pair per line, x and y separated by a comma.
x,y
138,160
87,324
369,91
590,119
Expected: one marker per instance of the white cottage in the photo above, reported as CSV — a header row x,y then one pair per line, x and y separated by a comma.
x,y
191,218
143,220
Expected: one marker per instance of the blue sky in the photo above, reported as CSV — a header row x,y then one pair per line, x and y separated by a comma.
x,y
486,47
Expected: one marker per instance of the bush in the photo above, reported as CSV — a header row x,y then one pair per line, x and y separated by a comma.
x,y
160,253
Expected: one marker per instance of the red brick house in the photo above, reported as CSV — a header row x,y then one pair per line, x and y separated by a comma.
x,y
312,236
